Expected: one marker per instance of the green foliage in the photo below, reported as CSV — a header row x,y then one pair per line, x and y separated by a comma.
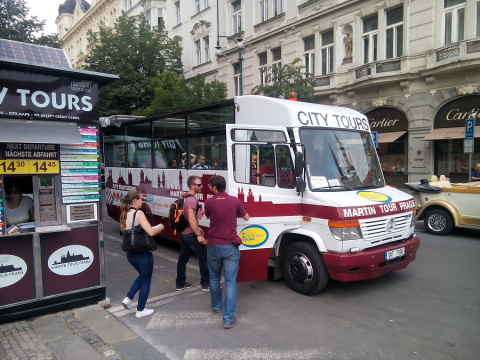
x,y
173,92
49,40
280,82
16,25
138,54
206,93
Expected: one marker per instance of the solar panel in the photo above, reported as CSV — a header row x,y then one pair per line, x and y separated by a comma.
x,y
31,53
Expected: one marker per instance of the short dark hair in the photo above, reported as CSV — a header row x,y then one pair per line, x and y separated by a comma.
x,y
219,182
192,179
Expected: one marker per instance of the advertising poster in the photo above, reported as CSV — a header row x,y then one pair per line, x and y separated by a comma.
x,y
80,168
16,269
70,260
48,211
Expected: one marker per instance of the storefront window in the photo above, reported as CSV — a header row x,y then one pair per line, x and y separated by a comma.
x,y
393,156
452,162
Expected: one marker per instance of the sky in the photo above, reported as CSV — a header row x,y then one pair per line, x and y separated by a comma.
x,y
45,10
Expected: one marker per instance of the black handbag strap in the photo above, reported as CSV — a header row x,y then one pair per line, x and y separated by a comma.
x,y
133,221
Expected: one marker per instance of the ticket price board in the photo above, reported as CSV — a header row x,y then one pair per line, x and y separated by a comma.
x,y
16,167
27,158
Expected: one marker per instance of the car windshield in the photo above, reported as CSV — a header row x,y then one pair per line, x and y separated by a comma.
x,y
340,160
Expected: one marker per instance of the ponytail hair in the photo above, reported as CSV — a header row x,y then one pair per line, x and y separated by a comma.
x,y
127,200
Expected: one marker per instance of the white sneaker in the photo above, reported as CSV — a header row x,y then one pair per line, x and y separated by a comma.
x,y
143,313
127,303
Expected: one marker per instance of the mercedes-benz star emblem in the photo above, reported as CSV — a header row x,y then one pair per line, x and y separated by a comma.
x,y
391,225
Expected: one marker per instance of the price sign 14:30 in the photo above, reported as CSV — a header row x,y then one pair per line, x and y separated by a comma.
x,y
29,167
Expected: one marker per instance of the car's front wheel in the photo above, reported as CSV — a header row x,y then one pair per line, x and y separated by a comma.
x,y
438,221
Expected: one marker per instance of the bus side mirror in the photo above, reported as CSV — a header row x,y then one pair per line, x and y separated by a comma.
x,y
300,185
299,164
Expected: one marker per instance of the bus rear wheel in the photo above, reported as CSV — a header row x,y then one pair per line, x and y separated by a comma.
x,y
303,269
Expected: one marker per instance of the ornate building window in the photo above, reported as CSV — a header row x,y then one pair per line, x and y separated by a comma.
x,y
198,52
206,48
453,21
277,7
236,79
326,50
262,67
309,55
477,18
177,12
369,38
237,16
263,10
394,33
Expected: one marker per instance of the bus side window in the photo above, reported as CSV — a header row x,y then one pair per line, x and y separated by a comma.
x,y
285,176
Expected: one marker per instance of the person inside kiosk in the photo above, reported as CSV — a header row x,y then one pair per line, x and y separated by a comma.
x,y
18,207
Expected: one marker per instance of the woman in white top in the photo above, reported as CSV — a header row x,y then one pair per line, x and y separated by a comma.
x,y
142,262
18,208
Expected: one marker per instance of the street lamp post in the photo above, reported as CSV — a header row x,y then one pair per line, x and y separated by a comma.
x,y
239,43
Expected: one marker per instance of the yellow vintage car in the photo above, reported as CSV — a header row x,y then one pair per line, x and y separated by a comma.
x,y
443,205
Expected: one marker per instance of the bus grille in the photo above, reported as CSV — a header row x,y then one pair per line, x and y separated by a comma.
x,y
385,229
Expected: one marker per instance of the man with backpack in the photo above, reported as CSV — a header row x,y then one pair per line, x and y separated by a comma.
x,y
192,240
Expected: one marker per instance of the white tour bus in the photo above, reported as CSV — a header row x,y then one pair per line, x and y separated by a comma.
x,y
308,174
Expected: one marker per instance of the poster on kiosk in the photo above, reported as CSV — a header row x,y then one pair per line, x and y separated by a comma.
x,y
50,190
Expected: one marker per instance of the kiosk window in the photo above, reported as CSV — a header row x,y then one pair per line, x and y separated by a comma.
x,y
19,202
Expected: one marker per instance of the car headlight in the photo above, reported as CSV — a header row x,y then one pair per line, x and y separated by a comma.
x,y
345,230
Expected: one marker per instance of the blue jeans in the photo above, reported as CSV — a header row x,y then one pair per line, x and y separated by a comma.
x,y
189,245
143,263
226,257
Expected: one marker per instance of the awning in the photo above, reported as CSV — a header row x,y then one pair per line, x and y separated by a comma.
x,y
388,137
46,132
450,133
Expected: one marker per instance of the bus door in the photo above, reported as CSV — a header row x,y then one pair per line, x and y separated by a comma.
x,y
262,168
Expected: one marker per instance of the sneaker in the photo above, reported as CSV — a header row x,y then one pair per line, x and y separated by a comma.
x,y
205,288
229,326
127,303
215,312
185,286
143,313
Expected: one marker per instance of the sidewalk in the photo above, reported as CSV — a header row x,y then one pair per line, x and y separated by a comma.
x,y
89,332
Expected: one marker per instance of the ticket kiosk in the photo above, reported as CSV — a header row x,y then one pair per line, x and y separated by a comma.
x,y
51,237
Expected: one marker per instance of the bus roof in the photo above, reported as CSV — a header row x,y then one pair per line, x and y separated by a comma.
x,y
262,110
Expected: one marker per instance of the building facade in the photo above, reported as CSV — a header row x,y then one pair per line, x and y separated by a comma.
x,y
412,66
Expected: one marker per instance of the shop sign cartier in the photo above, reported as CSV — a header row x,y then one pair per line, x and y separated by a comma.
x,y
387,119
457,111
43,97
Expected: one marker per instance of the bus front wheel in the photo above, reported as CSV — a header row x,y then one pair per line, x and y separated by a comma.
x,y
303,269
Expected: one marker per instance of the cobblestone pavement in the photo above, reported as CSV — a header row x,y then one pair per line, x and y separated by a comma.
x,y
18,341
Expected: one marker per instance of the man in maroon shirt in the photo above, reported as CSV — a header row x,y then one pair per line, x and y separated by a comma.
x,y
223,247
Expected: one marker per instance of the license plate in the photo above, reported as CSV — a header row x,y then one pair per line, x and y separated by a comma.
x,y
393,254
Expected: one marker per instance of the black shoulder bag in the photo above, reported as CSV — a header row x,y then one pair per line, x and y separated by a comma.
x,y
136,240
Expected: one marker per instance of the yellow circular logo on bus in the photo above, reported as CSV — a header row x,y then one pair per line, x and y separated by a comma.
x,y
253,235
374,196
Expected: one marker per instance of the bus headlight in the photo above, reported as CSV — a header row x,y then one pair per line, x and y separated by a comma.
x,y
345,230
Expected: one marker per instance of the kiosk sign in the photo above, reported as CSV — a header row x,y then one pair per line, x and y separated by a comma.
x,y
26,158
43,97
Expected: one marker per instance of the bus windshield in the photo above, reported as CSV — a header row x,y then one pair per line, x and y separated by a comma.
x,y
340,160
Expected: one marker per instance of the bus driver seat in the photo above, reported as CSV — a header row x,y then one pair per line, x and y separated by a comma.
x,y
267,175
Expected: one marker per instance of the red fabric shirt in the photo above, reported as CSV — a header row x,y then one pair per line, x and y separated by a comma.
x,y
189,203
223,211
